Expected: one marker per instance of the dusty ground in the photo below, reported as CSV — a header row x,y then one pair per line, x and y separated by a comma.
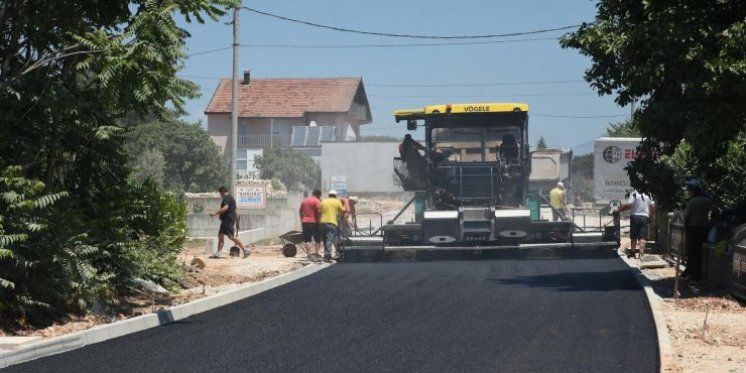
x,y
718,345
217,276
387,206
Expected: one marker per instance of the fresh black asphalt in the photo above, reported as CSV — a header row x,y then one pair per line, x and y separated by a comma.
x,y
585,315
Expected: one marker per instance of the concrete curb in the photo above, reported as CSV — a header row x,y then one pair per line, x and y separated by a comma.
x,y
656,306
102,333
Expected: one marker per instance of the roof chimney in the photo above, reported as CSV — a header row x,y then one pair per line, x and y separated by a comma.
x,y
246,76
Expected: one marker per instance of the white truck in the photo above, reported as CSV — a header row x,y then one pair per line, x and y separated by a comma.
x,y
610,156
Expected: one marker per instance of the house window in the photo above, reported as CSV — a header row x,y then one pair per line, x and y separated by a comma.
x,y
242,160
245,162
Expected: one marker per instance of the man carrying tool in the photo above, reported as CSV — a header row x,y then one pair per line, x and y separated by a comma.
x,y
697,221
642,210
330,208
310,210
558,201
227,213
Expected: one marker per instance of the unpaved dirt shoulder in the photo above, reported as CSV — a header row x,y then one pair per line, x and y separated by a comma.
x,y
717,345
217,276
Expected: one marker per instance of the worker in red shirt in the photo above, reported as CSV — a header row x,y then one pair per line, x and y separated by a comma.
x,y
310,209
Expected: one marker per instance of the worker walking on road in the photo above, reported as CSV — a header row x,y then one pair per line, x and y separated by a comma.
x,y
558,201
331,208
310,212
227,213
642,210
697,221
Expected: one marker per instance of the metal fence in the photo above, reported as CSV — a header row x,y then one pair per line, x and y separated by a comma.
x,y
260,141
676,238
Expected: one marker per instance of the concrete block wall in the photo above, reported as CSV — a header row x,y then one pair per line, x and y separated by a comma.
x,y
367,166
280,215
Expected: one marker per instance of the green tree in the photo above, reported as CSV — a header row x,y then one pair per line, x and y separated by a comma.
x,y
294,168
622,129
192,161
542,144
684,60
71,71
582,176
149,165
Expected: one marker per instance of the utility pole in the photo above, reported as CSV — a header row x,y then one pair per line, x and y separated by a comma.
x,y
632,108
234,103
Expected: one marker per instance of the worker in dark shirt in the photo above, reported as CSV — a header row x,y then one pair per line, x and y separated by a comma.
x,y
409,149
415,163
697,221
227,214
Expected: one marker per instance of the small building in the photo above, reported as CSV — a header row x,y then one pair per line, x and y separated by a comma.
x,y
297,112
362,167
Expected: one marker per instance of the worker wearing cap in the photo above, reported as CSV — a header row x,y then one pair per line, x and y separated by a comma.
x,y
558,201
330,208
697,221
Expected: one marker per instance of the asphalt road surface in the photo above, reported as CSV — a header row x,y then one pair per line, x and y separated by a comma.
x,y
491,315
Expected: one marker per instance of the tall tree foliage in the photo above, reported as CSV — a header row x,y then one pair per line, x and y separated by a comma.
x,y
626,128
191,162
686,62
70,70
542,144
294,168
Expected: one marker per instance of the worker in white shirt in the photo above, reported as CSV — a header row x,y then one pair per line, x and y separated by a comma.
x,y
642,209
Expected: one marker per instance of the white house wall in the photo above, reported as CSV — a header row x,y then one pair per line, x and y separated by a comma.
x,y
368,166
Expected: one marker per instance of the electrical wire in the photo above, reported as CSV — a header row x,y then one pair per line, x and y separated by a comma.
x,y
367,46
399,45
438,85
433,85
207,51
490,95
410,36
579,116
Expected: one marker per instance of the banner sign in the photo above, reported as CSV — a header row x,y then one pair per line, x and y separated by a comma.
x,y
610,157
251,194
339,183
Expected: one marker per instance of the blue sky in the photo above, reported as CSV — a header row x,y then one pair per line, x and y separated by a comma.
x,y
527,61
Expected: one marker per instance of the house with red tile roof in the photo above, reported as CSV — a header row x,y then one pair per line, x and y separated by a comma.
x,y
297,112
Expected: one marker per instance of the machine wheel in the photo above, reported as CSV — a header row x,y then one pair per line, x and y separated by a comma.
x,y
289,250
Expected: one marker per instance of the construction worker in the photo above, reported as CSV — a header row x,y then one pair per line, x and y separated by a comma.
x,y
558,201
642,209
409,149
509,149
227,213
697,222
310,211
331,208
349,221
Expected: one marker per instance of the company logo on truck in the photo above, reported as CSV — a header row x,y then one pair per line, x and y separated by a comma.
x,y
612,154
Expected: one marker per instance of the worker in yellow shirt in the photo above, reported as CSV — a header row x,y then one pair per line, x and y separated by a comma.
x,y
558,201
331,208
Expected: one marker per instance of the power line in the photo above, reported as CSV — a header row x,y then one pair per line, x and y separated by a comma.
x,y
399,45
208,51
537,114
410,36
366,46
578,116
434,85
438,85
490,95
